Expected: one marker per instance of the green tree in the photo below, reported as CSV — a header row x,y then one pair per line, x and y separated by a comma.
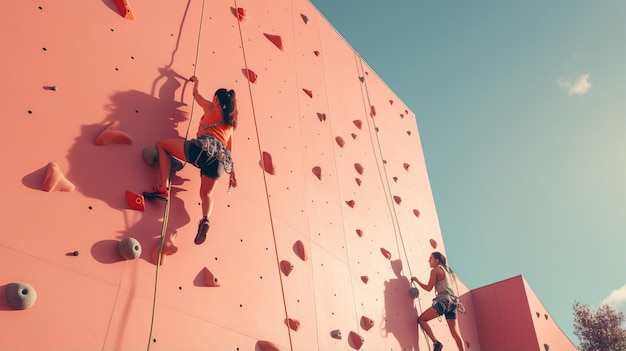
x,y
600,330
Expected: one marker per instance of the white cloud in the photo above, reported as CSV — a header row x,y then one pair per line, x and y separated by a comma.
x,y
617,297
580,86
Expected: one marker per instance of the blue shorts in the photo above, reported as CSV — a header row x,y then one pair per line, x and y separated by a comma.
x,y
209,166
449,315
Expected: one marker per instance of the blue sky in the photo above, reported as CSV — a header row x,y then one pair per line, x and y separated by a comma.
x,y
521,107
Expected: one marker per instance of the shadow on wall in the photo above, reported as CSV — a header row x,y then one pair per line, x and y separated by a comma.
x,y
400,316
106,172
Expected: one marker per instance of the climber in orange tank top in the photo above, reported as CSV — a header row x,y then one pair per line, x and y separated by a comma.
x,y
210,151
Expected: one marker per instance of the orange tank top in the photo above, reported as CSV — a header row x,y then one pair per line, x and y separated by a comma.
x,y
214,125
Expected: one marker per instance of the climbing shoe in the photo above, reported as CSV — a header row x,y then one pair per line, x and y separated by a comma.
x,y
203,227
437,346
158,192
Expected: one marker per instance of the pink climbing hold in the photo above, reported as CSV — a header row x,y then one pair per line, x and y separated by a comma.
x,y
168,249
113,136
385,253
250,75
397,199
54,180
317,170
358,168
267,346
308,92
267,164
358,123
275,39
340,141
210,279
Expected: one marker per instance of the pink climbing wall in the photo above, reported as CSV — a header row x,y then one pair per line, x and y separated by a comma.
x,y
332,217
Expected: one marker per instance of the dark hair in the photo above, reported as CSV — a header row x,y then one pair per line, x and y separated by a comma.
x,y
442,260
228,103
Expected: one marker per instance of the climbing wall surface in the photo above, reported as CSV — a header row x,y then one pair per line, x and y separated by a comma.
x,y
315,248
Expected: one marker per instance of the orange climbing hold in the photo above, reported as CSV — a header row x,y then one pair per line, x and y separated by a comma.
x,y
210,279
317,170
275,39
55,180
124,7
135,201
113,136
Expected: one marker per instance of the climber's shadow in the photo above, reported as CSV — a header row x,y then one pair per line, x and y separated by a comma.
x,y
400,316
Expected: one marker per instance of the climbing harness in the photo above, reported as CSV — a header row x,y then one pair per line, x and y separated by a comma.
x,y
215,151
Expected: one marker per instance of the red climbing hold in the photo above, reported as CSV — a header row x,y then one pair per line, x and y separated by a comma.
x,y
317,53
395,179
317,170
365,279
340,141
358,123
135,201
240,13
351,203
433,243
299,249
250,75
406,166
124,7
308,92
408,132
286,267
359,232
358,168
390,102
267,346
397,199
372,111
321,116
275,39
267,164
366,323
353,136
355,340
416,213
293,324
402,115
385,253
358,181
304,18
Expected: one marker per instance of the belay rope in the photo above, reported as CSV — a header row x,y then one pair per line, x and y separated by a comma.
x,y
166,213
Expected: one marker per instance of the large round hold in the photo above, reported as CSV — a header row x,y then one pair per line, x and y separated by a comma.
x,y
129,248
151,156
21,295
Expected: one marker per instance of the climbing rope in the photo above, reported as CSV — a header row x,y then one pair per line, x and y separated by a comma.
x,y
383,175
166,213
